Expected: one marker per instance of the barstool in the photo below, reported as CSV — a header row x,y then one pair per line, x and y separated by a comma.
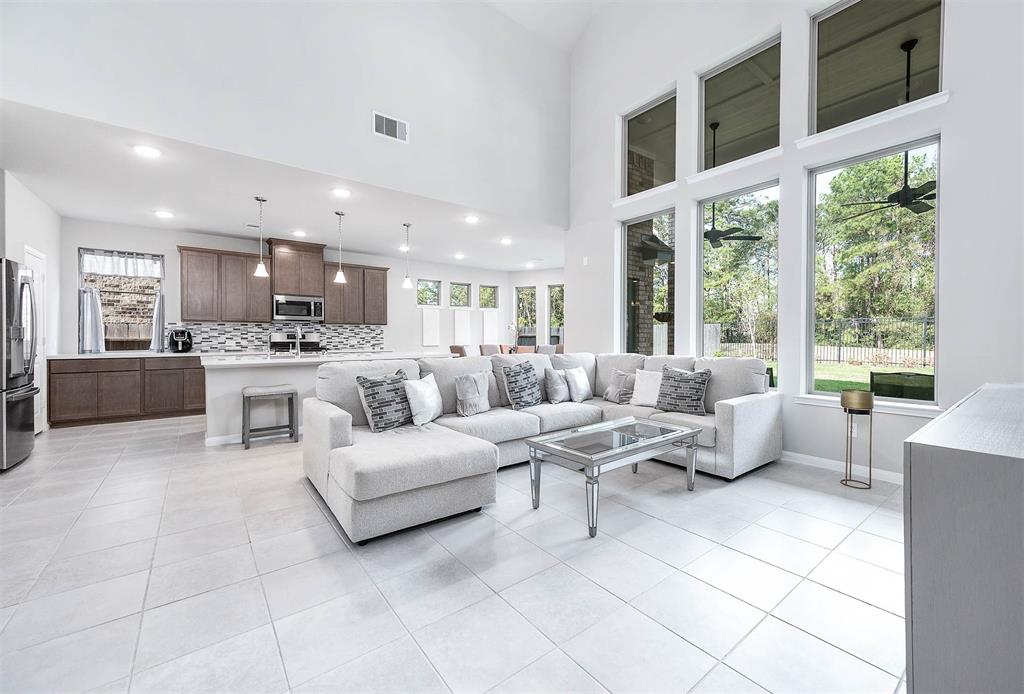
x,y
251,393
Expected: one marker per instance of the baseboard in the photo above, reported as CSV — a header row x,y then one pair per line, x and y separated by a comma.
x,y
229,439
860,471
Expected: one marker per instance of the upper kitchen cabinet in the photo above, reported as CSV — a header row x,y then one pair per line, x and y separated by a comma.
x,y
362,300
200,285
298,267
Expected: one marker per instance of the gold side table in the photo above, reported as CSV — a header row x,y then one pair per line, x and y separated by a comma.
x,y
857,402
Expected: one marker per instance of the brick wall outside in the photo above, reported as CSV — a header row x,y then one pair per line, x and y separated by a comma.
x,y
639,172
643,274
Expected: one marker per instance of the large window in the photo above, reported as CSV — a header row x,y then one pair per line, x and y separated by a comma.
x,y
428,292
459,295
649,301
488,296
556,314
526,315
740,276
874,275
119,291
874,55
650,157
742,101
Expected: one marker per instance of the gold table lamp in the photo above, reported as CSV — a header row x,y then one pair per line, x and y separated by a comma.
x,y
857,402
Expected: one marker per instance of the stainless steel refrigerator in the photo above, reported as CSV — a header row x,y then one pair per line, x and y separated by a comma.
x,y
18,305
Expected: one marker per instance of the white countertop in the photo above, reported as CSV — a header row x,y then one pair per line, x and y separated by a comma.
x,y
127,354
262,359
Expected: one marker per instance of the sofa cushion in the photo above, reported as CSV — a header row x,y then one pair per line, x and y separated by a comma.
x,y
496,425
564,415
614,411
620,390
336,381
607,364
585,360
732,377
523,385
683,391
446,370
646,389
662,360
555,385
500,361
471,392
707,423
579,385
384,401
408,457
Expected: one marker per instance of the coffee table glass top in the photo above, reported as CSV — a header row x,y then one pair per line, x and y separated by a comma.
x,y
614,437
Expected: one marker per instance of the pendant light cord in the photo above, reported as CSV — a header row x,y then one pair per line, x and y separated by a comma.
x,y
261,201
407,249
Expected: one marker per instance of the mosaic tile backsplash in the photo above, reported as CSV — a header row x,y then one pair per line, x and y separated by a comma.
x,y
252,337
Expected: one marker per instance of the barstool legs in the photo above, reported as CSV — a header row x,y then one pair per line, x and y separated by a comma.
x,y
245,421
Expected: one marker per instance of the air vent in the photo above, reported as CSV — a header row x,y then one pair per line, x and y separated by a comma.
x,y
390,127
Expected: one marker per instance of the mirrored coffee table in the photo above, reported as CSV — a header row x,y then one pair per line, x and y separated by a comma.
x,y
606,446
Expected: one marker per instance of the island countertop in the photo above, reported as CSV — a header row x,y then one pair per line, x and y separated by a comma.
x,y
262,359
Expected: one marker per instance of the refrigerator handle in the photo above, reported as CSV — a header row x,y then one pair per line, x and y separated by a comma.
x,y
31,365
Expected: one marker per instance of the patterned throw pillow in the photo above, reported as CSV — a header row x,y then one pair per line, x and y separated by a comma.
x,y
384,401
522,386
620,389
471,394
683,391
556,385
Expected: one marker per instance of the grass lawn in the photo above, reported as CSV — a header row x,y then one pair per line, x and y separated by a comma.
x,y
832,377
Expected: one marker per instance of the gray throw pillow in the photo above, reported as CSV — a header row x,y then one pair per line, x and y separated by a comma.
x,y
579,384
522,386
683,391
620,390
471,393
384,401
556,385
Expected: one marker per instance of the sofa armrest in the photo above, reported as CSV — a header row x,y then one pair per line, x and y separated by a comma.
x,y
325,426
749,431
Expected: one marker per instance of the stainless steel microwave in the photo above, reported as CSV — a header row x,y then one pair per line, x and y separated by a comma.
x,y
299,308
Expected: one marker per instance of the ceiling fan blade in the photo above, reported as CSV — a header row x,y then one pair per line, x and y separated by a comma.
x,y
715,243
867,202
743,238
861,214
730,231
918,207
929,196
894,197
926,187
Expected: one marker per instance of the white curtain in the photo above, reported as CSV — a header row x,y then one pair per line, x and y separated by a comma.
x,y
156,341
123,264
90,322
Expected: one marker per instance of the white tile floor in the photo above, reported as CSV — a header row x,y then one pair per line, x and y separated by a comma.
x,y
134,558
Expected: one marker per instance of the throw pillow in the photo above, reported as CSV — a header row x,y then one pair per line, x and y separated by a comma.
x,y
620,390
645,392
424,399
471,394
683,391
556,385
384,401
579,384
522,386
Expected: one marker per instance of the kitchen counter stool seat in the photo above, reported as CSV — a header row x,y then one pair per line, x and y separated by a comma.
x,y
251,393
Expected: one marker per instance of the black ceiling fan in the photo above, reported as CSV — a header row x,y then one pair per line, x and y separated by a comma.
x,y
714,235
913,199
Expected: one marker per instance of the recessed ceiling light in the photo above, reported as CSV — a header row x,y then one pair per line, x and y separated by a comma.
x,y
403,248
299,232
146,151
506,242
164,214
341,192
460,255
472,219
529,266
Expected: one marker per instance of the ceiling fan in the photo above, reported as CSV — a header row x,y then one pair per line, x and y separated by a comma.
x,y
913,199
714,235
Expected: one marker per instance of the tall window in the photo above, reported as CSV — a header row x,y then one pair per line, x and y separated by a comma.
x,y
526,315
119,292
742,100
649,303
874,275
428,292
488,296
459,295
650,157
874,55
740,276
556,314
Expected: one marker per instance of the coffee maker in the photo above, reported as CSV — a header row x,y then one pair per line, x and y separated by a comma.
x,y
180,341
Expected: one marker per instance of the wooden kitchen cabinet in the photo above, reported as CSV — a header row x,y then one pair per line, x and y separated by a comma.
x,y
73,397
200,285
298,267
118,393
375,296
164,391
362,300
194,389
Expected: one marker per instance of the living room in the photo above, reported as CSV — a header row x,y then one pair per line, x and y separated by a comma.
x,y
512,346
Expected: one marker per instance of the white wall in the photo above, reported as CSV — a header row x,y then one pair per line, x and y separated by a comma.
x,y
28,221
296,83
980,304
403,331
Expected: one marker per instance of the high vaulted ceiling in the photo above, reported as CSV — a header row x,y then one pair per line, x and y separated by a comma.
x,y
559,23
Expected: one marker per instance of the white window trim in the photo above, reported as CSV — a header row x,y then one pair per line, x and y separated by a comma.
x,y
622,137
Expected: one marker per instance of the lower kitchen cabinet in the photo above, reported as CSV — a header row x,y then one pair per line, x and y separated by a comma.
x,y
94,390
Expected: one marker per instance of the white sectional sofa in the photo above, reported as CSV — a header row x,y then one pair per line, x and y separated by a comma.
x,y
378,483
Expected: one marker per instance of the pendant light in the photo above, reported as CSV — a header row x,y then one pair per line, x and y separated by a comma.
x,y
339,276
407,282
261,268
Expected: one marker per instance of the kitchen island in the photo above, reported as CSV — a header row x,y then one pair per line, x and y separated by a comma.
x,y
227,374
